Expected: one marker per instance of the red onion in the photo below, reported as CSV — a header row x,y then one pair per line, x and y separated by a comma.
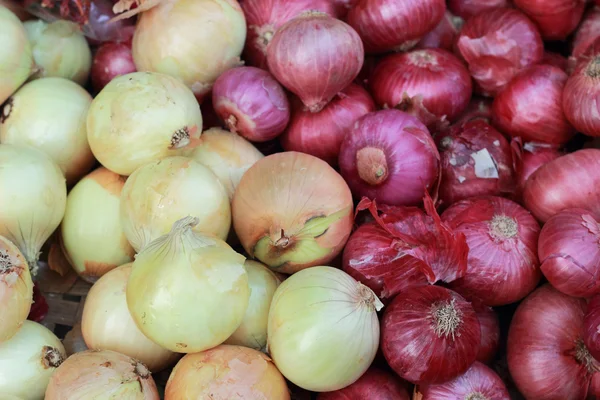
x,y
315,56
431,84
478,383
404,247
478,108
251,102
39,306
530,106
111,60
528,157
264,17
587,33
556,19
490,332
386,25
375,384
444,34
321,134
502,238
546,354
497,44
467,8
570,181
389,156
555,60
430,334
476,161
591,327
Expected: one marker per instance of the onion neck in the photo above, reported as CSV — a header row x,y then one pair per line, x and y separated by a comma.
x,y
446,318
503,227
282,242
51,357
141,370
367,298
593,69
583,357
372,165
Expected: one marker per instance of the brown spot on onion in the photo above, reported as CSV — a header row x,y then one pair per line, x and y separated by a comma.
x,y
51,357
6,110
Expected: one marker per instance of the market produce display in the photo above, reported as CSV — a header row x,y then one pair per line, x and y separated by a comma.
x,y
300,199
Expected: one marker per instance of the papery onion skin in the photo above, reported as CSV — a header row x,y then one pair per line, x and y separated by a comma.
x,y
49,114
142,117
311,228
251,102
226,372
496,44
490,332
556,19
546,356
335,52
386,25
587,32
430,334
111,59
431,84
167,40
591,334
375,384
389,156
321,134
528,158
559,184
100,373
502,238
28,360
467,8
323,329
444,34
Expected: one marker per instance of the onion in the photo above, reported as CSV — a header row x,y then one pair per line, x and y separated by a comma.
x,y
321,134
310,227
478,108
490,332
17,8
497,44
558,185
49,114
59,49
587,33
252,103
555,60
326,60
167,39
16,289
556,19
591,333
528,158
32,199
432,84
430,335
28,360
502,238
467,8
142,117
73,340
386,25
375,384
101,373
476,161
323,329
227,155
199,270
226,372
112,59
389,156
444,34
264,17
546,355
478,383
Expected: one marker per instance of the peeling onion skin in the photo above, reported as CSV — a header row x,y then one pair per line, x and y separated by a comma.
x,y
591,333
375,384
444,34
111,59
467,8
587,32
390,25
556,19
226,372
335,52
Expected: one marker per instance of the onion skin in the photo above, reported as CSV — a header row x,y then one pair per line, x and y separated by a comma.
x,y
310,229
556,60
502,238
386,25
556,19
591,334
490,333
375,384
557,185
587,32
431,84
388,150
467,8
111,59
496,44
321,134
444,34
422,349
252,103
529,158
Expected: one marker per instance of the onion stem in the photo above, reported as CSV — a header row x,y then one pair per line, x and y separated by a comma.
x,y
503,227
446,318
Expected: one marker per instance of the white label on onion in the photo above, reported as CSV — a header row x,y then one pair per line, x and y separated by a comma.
x,y
485,167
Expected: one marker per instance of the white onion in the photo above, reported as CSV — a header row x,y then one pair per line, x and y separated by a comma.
x,y
49,114
323,329
28,360
142,117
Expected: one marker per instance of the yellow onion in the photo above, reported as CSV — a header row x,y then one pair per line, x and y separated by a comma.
x,y
228,156
101,375
28,360
193,40
142,117
73,340
188,292
16,60
92,237
16,289
323,329
49,114
59,49
33,195
292,211
226,373
252,332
